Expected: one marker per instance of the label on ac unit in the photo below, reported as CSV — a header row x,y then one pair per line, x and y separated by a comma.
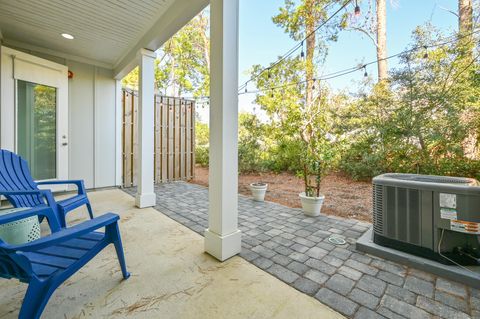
x,y
448,213
448,200
465,227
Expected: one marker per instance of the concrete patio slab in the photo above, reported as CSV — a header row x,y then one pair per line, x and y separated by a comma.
x,y
171,277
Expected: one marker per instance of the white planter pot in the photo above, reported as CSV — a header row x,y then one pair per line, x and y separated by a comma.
x,y
258,191
311,205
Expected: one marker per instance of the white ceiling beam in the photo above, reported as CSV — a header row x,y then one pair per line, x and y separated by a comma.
x,y
175,17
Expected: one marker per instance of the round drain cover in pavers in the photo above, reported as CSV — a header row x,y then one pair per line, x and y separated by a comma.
x,y
336,240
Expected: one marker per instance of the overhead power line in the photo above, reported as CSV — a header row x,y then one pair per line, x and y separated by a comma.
x,y
359,67
294,48
356,68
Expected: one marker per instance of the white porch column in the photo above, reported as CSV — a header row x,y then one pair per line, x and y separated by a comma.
x,y
222,238
145,137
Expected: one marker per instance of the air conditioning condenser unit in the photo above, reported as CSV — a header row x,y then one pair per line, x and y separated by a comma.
x,y
436,217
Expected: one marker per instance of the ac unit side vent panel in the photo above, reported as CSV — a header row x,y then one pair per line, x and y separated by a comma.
x,y
378,209
401,214
414,216
389,215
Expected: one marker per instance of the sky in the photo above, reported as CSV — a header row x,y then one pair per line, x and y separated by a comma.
x,y
262,42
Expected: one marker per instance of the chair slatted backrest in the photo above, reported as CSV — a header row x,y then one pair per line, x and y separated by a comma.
x,y
15,176
14,265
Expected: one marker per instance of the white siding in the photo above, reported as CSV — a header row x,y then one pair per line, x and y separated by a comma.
x,y
104,128
92,125
81,117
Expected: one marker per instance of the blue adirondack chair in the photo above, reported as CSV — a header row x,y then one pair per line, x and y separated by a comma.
x,y
47,262
18,186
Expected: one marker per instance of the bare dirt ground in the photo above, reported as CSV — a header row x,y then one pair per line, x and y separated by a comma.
x,y
344,197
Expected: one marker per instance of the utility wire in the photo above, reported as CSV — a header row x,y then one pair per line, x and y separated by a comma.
x,y
336,74
295,48
350,70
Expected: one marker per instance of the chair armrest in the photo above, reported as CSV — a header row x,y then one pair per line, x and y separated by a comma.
x,y
78,182
66,234
49,197
41,211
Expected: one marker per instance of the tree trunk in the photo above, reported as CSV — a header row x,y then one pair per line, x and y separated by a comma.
x,y
471,144
172,79
206,41
311,43
465,25
382,40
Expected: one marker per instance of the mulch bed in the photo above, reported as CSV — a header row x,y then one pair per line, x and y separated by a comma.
x,y
344,197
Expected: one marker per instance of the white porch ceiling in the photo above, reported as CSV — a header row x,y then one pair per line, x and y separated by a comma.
x,y
105,31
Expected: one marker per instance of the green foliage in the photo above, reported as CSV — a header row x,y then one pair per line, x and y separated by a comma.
x,y
183,63
201,143
252,152
361,162
425,119
303,136
422,120
294,16
184,60
284,155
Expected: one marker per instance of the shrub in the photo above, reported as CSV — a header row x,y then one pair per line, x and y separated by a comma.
x,y
251,144
202,143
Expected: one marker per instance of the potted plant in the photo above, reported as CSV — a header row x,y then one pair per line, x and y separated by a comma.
x,y
311,198
318,155
258,191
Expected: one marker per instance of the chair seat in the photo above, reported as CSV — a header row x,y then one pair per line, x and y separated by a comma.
x,y
45,262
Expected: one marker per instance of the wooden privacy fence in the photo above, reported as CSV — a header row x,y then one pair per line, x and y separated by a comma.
x,y
174,152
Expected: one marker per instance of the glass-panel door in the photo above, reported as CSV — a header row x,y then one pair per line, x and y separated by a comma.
x,y
37,128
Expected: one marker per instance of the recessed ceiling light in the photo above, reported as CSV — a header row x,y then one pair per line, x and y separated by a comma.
x,y
67,36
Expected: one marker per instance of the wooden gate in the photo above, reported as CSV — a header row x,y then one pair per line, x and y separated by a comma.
x,y
174,138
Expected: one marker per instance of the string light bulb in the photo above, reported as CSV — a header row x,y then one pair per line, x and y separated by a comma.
x,y
365,74
302,54
357,11
313,86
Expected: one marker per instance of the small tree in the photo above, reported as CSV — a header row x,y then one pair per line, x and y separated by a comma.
x,y
317,160
315,127
309,127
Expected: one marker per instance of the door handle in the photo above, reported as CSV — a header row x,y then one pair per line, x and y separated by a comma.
x,y
64,144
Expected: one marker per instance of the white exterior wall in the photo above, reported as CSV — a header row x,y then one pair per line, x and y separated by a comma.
x,y
104,119
92,125
92,120
81,123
